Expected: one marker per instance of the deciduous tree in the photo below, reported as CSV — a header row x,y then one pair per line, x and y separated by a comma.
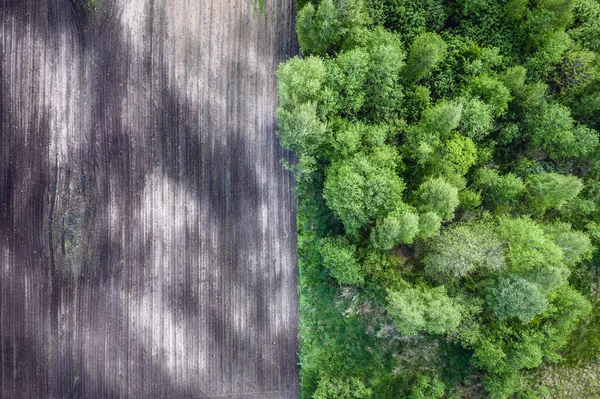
x,y
424,309
339,257
435,195
426,51
516,297
551,190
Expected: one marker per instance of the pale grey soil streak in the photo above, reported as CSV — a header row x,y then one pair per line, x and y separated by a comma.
x,y
147,228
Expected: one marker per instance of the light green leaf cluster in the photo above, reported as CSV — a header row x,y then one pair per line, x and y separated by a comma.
x,y
437,196
399,227
340,259
498,190
575,245
337,388
491,91
362,188
424,309
321,28
551,190
477,120
426,388
426,51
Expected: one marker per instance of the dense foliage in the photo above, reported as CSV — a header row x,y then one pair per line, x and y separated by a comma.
x,y
448,170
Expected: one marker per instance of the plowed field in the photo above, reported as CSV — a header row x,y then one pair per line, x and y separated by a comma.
x,y
147,227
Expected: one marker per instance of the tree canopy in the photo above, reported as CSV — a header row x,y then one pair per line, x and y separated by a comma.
x,y
447,185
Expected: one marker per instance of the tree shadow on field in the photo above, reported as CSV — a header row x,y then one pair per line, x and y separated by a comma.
x,y
79,258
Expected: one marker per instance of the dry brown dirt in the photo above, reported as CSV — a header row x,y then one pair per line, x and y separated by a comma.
x,y
147,227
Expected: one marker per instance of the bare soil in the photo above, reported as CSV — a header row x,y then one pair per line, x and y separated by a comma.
x,y
147,227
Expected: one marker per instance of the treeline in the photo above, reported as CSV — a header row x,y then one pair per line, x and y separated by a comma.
x,y
448,169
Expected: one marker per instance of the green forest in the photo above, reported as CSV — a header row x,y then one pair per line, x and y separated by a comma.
x,y
448,191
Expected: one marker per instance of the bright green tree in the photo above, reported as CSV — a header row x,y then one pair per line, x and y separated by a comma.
x,y
362,188
399,227
301,130
426,51
499,189
461,154
491,91
339,257
319,29
300,80
551,190
425,140
477,120
429,224
575,245
346,136
427,388
552,130
338,388
585,142
424,309
348,77
529,246
438,196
